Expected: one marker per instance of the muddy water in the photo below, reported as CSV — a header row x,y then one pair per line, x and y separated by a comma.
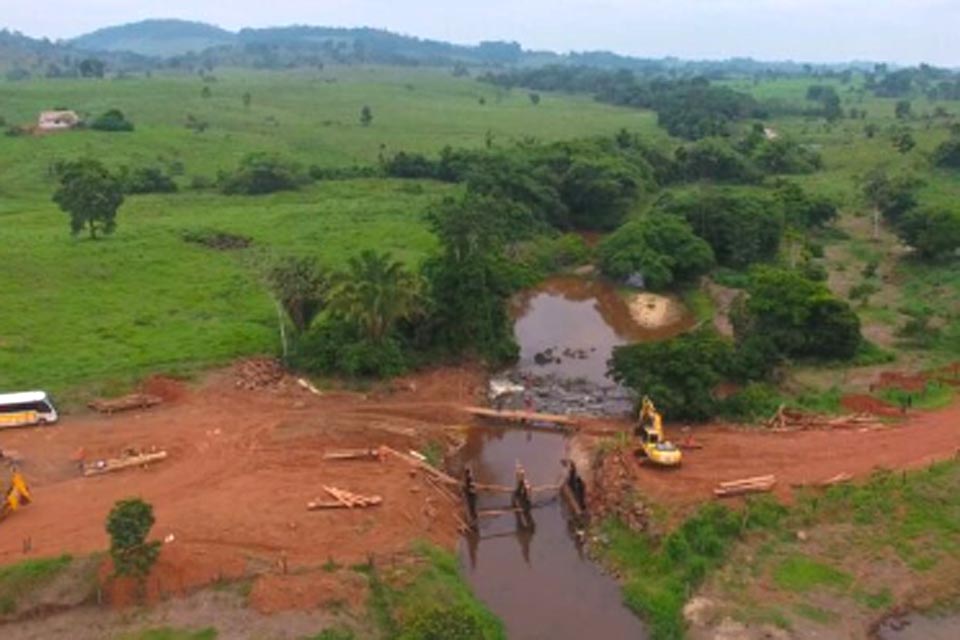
x,y
577,322
538,583
918,627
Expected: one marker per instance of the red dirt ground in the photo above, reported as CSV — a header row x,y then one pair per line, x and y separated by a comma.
x,y
243,464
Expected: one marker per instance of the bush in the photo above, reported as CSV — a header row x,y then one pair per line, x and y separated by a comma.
x,y
261,173
333,347
715,159
663,249
948,154
112,120
804,210
756,401
146,180
934,233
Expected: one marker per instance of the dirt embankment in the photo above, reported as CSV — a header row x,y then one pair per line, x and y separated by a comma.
x,y
231,498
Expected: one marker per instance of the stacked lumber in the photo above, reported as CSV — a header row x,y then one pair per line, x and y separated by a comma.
x,y
756,484
99,467
125,403
343,499
523,416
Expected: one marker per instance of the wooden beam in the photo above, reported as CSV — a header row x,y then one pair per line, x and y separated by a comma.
x,y
523,416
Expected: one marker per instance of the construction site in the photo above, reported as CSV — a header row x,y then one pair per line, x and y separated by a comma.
x,y
289,479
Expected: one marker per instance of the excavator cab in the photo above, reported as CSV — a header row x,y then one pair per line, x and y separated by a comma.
x,y
16,496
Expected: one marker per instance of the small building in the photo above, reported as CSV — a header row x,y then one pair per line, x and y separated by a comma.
x,y
57,120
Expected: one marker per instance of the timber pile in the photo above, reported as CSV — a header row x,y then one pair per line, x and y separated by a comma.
x,y
343,500
757,484
790,419
523,416
130,459
125,403
258,373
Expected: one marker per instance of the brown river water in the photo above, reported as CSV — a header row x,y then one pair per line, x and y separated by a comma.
x,y
539,582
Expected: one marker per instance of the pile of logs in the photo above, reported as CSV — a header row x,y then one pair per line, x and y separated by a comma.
x,y
343,500
757,484
258,373
125,403
791,419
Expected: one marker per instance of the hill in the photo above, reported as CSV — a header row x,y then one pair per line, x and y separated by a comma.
x,y
159,38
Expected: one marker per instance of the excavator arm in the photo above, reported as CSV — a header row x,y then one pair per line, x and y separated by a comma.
x,y
16,496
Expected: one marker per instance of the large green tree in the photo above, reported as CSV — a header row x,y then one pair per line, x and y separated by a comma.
x,y
680,374
90,195
663,248
128,525
798,316
374,293
932,232
301,287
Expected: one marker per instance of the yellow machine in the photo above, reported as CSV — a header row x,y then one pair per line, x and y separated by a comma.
x,y
16,496
652,441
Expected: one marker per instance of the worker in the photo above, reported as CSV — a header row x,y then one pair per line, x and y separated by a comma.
x,y
470,494
521,493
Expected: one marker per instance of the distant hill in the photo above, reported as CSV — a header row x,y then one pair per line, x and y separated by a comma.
x,y
157,38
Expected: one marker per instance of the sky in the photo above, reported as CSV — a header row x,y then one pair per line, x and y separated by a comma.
x,y
901,31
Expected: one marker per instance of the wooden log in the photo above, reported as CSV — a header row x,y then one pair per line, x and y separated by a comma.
x,y
318,505
523,416
762,484
436,473
747,481
116,464
352,454
567,493
840,478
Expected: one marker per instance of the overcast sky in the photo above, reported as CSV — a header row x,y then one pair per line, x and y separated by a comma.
x,y
907,31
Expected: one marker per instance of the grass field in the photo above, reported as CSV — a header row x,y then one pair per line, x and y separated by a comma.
x,y
76,314
80,317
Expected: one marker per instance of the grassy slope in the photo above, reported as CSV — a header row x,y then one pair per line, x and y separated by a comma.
x,y
77,313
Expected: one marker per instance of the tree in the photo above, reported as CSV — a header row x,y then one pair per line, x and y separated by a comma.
x,y
91,68
90,195
534,98
680,374
301,287
903,141
891,196
903,110
246,98
206,92
128,526
663,248
468,285
714,159
740,226
948,154
366,116
933,233
799,316
375,293
804,210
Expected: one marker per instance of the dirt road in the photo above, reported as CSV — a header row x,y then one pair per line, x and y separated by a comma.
x,y
802,456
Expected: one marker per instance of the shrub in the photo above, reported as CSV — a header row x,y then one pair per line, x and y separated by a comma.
x,y
147,180
261,173
948,154
112,120
128,525
333,346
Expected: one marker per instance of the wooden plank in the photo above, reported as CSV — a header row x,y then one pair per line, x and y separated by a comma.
x,y
319,505
352,454
116,464
567,493
523,416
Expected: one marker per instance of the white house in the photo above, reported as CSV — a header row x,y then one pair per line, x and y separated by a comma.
x,y
57,120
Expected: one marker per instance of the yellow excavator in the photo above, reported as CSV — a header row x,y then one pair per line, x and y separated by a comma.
x,y
16,496
653,443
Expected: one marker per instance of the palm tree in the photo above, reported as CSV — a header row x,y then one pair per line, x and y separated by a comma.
x,y
375,293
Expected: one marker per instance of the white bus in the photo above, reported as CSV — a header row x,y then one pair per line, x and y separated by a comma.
x,y
30,407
